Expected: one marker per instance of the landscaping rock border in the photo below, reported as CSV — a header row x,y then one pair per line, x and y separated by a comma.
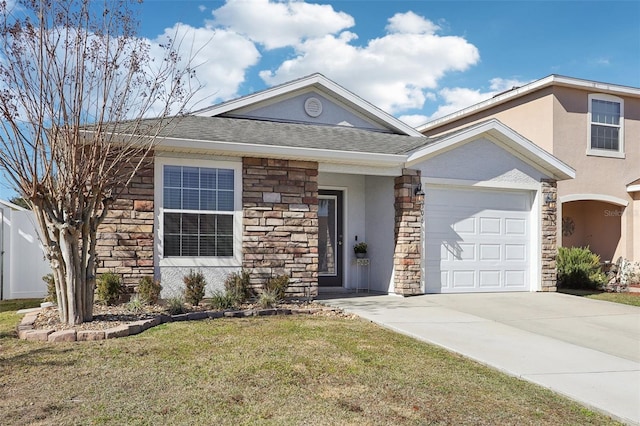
x,y
26,330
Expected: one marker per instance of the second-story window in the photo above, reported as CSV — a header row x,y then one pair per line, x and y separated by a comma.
x,y
606,115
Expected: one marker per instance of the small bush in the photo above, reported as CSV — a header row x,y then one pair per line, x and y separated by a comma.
x,y
268,299
237,284
194,287
52,296
109,288
175,306
277,286
578,267
223,300
136,304
149,290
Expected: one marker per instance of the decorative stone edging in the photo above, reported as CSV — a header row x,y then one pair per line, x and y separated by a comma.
x,y
26,329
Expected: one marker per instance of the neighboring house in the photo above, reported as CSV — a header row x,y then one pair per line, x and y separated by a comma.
x,y
594,128
287,180
22,257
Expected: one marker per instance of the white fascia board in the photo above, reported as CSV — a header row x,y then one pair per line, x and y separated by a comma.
x,y
528,88
633,188
498,132
322,84
271,151
12,206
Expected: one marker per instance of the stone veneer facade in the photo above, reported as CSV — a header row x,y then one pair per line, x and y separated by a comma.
x,y
407,257
280,222
549,235
125,238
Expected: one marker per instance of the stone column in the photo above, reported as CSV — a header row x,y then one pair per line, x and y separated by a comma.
x,y
549,234
280,222
407,256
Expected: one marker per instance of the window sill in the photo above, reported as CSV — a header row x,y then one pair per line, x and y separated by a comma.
x,y
603,153
203,262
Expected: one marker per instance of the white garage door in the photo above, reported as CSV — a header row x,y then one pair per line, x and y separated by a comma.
x,y
477,240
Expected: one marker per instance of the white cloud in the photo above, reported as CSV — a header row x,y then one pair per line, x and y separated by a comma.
x,y
221,59
280,24
458,98
392,71
398,71
202,8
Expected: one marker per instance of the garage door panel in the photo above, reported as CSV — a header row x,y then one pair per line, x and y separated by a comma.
x,y
476,240
465,226
463,279
489,278
515,226
489,252
517,252
514,279
490,226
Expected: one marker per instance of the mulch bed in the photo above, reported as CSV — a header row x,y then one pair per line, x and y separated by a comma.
x,y
107,317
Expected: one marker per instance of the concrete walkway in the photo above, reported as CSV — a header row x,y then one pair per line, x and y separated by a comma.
x,y
587,350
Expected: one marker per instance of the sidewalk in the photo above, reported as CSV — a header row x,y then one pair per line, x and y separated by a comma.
x,y
584,349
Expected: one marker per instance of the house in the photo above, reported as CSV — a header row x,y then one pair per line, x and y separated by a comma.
x,y
594,128
22,257
287,180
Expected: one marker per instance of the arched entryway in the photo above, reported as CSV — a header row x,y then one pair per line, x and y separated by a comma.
x,y
593,223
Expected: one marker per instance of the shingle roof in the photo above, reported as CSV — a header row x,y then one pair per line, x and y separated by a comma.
x,y
246,131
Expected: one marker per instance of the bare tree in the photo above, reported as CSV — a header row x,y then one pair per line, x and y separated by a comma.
x,y
72,74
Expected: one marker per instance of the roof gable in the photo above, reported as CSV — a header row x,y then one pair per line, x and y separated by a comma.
x,y
315,100
502,136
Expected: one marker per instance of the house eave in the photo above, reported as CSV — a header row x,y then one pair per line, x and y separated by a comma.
x,y
534,86
282,152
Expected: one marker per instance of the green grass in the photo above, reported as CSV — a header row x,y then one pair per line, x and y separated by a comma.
x,y
624,298
17,304
264,370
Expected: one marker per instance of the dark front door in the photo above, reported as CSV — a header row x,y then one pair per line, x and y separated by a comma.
x,y
330,239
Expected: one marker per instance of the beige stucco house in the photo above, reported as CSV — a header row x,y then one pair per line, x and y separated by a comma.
x,y
593,127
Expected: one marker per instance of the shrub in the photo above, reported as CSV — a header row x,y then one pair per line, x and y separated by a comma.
x,y
136,304
277,286
268,299
109,288
149,290
194,287
52,296
578,267
175,306
223,300
237,285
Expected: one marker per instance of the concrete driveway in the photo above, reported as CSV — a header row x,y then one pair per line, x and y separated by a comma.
x,y
587,350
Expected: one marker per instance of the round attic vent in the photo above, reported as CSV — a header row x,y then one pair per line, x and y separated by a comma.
x,y
313,107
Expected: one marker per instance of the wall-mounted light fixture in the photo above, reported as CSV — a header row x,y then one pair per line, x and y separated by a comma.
x,y
418,192
548,199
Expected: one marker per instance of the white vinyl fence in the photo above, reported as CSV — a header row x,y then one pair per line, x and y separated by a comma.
x,y
22,261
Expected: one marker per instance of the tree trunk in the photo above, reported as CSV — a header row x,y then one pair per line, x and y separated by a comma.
x,y
73,264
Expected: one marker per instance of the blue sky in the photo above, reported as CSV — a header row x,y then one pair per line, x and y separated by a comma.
x,y
417,60
462,51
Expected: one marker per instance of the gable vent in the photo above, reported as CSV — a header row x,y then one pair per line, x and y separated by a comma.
x,y
313,107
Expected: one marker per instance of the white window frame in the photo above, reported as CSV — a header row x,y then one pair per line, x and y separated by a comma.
x,y
605,152
194,262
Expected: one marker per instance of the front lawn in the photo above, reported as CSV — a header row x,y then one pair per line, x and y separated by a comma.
x,y
264,370
624,298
